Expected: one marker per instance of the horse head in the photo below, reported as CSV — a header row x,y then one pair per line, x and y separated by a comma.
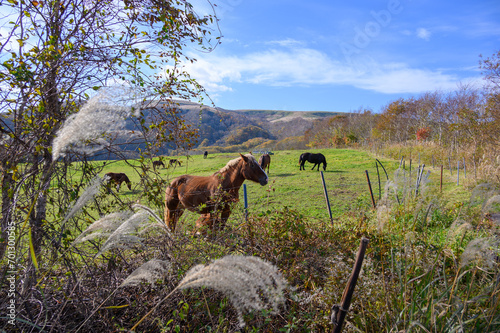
x,y
251,170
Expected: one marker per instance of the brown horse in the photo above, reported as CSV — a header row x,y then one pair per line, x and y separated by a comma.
x,y
118,179
212,195
265,161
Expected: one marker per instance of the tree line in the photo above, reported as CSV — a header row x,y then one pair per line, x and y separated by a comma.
x,y
467,118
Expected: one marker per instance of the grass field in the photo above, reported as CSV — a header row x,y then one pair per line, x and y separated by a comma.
x,y
429,267
345,180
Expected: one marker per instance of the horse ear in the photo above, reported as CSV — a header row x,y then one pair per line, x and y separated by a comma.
x,y
244,158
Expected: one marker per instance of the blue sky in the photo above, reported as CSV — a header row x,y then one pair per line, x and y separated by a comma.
x,y
343,55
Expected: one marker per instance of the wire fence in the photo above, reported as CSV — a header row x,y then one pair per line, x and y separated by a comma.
x,y
346,191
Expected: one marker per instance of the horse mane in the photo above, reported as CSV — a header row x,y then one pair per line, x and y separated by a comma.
x,y
232,163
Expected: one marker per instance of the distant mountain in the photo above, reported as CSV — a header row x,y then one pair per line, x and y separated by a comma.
x,y
217,127
220,127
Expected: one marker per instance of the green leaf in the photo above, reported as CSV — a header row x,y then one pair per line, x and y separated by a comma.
x,y
32,250
117,306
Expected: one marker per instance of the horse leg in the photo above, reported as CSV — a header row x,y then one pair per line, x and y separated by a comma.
x,y
172,210
226,212
204,222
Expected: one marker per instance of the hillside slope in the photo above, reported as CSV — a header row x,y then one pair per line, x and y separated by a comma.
x,y
216,127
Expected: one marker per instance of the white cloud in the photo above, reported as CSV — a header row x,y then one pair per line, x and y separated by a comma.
x,y
309,67
399,78
289,42
423,33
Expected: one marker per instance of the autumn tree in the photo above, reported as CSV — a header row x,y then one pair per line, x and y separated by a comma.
x,y
361,123
54,56
491,72
393,124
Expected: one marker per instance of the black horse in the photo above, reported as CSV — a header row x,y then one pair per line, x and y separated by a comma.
x,y
317,159
158,164
205,154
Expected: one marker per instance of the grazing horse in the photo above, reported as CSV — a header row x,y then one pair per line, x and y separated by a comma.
x,y
212,195
317,159
158,163
265,161
118,179
205,154
174,162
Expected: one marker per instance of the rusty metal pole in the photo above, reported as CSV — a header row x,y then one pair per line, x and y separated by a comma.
x,y
339,312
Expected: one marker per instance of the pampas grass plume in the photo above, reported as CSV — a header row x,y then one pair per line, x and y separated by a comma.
x,y
89,193
249,282
124,236
149,272
482,252
101,114
103,227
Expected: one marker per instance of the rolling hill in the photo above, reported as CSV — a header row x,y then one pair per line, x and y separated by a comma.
x,y
221,127
216,128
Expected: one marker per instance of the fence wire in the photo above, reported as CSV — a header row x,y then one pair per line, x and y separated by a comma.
x,y
347,191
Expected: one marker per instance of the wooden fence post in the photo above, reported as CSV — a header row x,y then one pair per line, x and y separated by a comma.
x,y
370,187
339,312
326,198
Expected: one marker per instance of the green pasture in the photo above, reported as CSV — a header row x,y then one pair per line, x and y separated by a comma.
x,y
302,191
412,263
